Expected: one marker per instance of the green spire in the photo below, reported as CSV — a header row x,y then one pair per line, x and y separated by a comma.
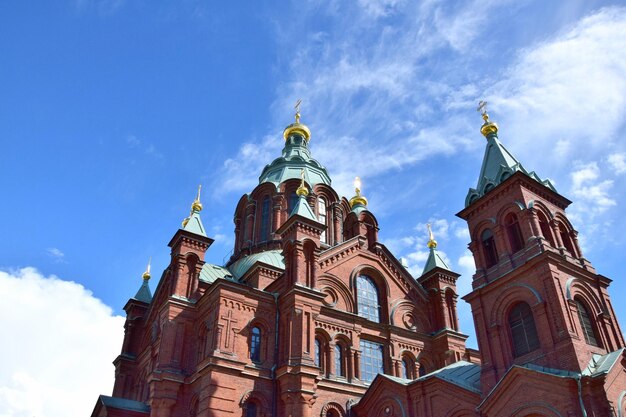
x,y
498,163
193,223
434,258
144,294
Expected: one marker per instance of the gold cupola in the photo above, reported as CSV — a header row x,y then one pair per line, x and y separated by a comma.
x,y
358,199
297,127
488,128
146,274
196,206
302,191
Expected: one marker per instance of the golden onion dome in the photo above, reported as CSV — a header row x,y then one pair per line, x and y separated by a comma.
x,y
358,199
146,274
297,127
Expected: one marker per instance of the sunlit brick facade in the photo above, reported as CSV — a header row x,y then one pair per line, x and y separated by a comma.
x,y
313,316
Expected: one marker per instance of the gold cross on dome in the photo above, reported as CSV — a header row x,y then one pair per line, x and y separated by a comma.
x,y
297,107
482,107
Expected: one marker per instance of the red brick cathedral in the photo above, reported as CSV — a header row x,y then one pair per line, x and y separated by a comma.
x,y
313,316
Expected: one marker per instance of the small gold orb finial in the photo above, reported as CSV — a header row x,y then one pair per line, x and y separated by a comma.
x,y
358,198
197,205
432,243
146,274
302,191
488,127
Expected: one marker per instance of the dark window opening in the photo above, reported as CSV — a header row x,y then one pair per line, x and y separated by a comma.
x,y
586,324
523,330
255,345
489,248
514,233
265,219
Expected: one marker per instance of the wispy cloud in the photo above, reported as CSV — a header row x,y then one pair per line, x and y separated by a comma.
x,y
56,254
618,162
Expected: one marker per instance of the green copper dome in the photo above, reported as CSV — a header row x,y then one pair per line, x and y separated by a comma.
x,y
295,157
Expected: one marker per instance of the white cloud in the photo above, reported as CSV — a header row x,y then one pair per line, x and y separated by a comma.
x,y
61,342
618,162
590,190
557,90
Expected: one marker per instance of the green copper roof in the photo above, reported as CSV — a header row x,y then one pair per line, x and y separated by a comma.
x,y
434,261
498,165
461,373
303,209
144,294
210,273
358,208
194,224
295,157
124,404
271,257
602,364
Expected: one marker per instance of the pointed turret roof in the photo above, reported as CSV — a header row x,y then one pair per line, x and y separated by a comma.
x,y
193,223
144,294
498,163
301,207
435,260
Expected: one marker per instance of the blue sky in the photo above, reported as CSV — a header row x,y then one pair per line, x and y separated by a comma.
x,y
113,111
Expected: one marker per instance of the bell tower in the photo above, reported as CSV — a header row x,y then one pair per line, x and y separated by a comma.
x,y
535,298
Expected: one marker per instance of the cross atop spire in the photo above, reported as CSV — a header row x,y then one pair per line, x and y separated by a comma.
x,y
432,243
297,107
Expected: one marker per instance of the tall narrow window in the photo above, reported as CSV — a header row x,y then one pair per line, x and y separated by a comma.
x,y
586,324
321,208
255,345
251,409
422,370
265,219
567,241
318,353
371,360
545,229
523,330
291,202
407,368
339,369
367,298
514,233
489,248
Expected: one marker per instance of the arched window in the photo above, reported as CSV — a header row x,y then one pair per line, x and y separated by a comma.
x,y
523,330
567,240
489,248
545,229
514,232
407,368
586,324
422,370
265,219
255,344
291,202
318,353
321,208
339,367
371,360
367,298
251,409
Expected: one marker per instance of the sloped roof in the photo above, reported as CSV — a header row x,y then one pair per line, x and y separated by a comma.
x,y
144,294
461,373
194,224
124,404
271,257
434,261
210,273
303,209
602,364
498,165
